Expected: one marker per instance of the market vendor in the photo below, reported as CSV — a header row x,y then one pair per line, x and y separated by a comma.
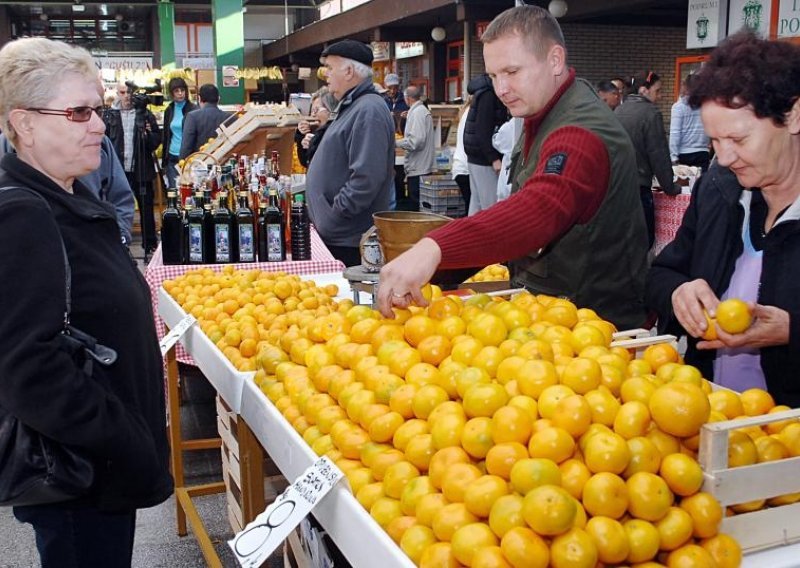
x,y
573,225
740,236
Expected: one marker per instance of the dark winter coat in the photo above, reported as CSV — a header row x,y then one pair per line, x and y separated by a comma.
x,y
117,416
486,114
706,246
114,130
168,114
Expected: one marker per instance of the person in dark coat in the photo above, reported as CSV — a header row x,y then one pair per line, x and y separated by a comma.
x,y
135,151
486,114
740,236
645,125
116,417
308,135
174,117
202,124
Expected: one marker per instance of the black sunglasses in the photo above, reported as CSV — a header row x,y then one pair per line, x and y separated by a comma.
x,y
74,114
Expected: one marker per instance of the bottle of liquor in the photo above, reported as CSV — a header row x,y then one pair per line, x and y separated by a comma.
x,y
223,231
261,225
301,229
208,233
276,244
172,231
196,240
245,230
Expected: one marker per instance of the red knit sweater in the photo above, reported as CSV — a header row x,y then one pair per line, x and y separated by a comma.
x,y
543,209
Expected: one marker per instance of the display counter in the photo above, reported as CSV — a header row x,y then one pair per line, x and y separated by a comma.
x,y
322,261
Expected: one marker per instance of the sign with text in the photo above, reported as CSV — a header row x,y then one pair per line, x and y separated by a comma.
x,y
176,333
380,50
754,15
406,49
260,538
123,63
480,27
789,18
705,25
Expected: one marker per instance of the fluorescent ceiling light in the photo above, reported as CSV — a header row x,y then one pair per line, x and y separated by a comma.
x,y
78,8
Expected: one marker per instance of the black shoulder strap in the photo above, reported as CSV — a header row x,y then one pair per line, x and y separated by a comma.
x,y
67,269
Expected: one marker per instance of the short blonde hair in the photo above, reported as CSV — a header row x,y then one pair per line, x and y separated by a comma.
x,y
31,70
535,25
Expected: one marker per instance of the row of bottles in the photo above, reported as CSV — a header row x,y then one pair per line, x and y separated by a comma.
x,y
208,235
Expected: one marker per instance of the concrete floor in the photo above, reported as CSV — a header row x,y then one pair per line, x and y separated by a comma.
x,y
157,544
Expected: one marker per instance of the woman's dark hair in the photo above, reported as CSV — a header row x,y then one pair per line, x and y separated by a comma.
x,y
748,71
644,79
177,83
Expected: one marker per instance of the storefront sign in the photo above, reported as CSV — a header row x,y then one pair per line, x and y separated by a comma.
x,y
480,27
405,49
750,14
380,50
705,26
199,62
229,78
124,63
789,18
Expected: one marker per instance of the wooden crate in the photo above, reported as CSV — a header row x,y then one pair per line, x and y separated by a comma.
x,y
227,424
766,528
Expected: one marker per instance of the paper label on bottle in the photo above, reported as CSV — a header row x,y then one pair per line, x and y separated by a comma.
x,y
222,243
274,243
195,242
247,249
261,537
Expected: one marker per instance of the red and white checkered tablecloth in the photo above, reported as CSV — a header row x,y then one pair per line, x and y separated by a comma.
x,y
669,215
321,262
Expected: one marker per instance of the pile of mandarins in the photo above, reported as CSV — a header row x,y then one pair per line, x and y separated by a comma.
x,y
491,433
491,273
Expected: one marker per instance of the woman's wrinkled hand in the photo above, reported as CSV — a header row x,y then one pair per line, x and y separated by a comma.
x,y
689,300
770,327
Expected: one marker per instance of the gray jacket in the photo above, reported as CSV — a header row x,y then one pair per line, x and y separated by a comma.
x,y
418,140
352,173
199,126
108,183
645,125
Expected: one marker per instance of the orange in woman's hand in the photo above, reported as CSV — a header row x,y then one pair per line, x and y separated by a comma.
x,y
711,328
733,315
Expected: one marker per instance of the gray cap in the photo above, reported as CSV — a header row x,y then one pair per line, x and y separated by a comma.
x,y
391,79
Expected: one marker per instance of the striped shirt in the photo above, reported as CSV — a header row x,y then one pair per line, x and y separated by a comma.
x,y
686,133
129,128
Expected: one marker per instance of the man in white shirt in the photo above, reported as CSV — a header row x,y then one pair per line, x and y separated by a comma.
x,y
418,142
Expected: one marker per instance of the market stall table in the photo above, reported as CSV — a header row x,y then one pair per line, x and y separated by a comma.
x,y
321,262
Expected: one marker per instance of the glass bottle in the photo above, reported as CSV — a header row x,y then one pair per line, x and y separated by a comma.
x,y
300,229
196,241
172,231
276,244
261,229
245,230
223,231
208,233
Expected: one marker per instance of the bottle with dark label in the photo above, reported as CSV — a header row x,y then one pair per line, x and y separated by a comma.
x,y
245,230
300,229
276,244
208,233
195,238
223,231
261,229
172,231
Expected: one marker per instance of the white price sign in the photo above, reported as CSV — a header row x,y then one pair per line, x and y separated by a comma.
x,y
260,538
176,333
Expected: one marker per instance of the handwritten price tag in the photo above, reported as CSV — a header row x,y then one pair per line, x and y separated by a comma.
x,y
260,538
176,333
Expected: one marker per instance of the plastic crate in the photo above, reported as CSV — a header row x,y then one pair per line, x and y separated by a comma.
x,y
440,194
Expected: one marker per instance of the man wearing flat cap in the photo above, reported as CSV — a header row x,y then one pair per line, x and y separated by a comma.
x,y
351,176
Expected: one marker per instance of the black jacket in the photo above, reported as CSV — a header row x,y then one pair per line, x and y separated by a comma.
x,y
168,114
199,126
706,246
115,131
486,114
118,416
304,155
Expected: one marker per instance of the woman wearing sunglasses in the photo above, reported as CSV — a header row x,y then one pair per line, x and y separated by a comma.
x,y
49,109
645,125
